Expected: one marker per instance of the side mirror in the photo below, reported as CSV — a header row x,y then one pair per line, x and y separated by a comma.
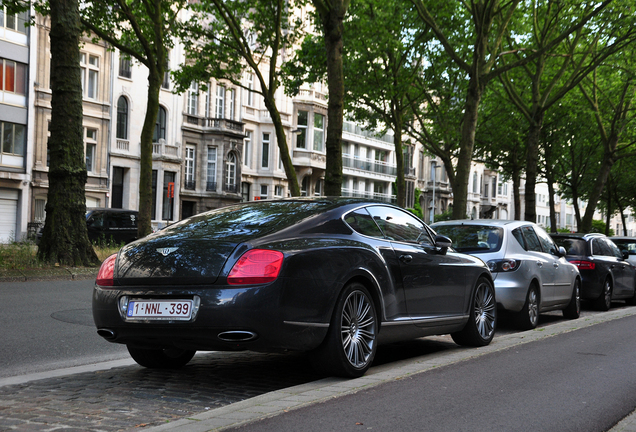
x,y
443,243
625,254
562,251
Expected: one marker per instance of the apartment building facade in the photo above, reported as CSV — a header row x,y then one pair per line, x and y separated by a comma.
x,y
17,50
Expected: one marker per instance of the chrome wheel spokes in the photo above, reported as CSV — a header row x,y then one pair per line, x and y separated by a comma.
x,y
358,328
533,307
485,310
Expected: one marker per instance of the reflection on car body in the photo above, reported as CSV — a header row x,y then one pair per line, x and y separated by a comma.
x,y
335,276
530,273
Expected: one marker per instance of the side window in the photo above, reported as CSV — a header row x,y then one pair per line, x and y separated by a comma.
x,y
400,226
121,220
546,242
615,250
599,247
532,241
96,220
519,236
360,220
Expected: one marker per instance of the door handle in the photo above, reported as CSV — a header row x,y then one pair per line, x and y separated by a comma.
x,y
556,265
406,258
539,263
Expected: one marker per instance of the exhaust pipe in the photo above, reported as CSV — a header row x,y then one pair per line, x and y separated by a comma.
x,y
107,334
237,336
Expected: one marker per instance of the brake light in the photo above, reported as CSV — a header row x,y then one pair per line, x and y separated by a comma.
x,y
256,266
503,265
105,276
584,265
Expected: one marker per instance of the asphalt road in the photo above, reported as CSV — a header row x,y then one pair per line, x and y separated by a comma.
x,y
49,325
580,381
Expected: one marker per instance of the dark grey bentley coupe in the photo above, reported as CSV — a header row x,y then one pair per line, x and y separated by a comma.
x,y
334,276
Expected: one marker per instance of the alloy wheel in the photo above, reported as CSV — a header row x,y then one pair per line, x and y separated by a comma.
x,y
485,310
358,329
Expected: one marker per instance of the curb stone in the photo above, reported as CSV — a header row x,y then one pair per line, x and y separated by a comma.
x,y
278,402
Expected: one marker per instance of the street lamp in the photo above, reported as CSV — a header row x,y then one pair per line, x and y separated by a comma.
x,y
434,175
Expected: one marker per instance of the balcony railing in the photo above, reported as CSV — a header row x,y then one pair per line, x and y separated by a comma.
x,y
369,165
162,149
123,145
214,123
190,184
210,186
233,188
371,195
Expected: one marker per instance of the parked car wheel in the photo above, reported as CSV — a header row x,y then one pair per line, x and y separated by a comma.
x,y
351,342
528,317
160,358
604,301
480,328
573,310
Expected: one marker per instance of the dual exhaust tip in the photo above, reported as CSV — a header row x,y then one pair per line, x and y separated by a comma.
x,y
227,336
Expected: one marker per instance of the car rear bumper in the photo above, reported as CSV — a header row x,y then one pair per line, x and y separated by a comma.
x,y
511,291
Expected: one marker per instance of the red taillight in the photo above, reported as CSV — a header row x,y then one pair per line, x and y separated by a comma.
x,y
105,276
256,266
584,265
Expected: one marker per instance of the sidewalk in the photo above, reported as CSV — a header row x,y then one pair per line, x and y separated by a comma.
x,y
59,273
278,402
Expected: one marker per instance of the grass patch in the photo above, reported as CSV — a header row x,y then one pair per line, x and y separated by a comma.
x,y
24,255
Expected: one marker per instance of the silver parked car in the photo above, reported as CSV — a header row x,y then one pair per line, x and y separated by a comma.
x,y
530,272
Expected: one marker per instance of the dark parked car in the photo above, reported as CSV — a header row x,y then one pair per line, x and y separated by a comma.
x,y
335,276
626,244
605,272
531,273
111,225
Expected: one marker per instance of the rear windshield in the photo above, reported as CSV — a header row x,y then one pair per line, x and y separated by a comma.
x,y
573,246
235,223
473,238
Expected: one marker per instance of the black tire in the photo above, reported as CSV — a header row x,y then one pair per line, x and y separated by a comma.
x,y
170,358
528,317
573,309
351,342
482,321
604,301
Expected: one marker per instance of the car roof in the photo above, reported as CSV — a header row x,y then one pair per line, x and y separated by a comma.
x,y
113,210
584,236
491,222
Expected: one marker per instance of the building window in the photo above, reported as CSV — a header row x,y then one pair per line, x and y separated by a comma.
x,y
301,138
193,98
220,102
125,66
13,138
166,73
153,210
13,77
211,175
319,187
15,22
168,196
90,75
250,91
230,180
231,98
265,153
207,103
247,147
190,168
278,190
319,132
475,182
304,186
160,126
122,118
91,149
264,191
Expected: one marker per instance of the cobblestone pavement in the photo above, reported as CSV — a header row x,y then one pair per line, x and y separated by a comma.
x,y
131,398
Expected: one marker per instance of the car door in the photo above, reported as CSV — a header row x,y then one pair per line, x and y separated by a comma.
x,y
543,264
622,266
608,262
563,272
432,287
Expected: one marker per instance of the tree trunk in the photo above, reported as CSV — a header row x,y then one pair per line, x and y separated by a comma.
x,y
466,146
333,28
597,189
516,194
64,238
145,164
532,166
290,171
400,184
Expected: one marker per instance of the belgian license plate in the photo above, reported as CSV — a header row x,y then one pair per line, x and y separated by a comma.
x,y
160,309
